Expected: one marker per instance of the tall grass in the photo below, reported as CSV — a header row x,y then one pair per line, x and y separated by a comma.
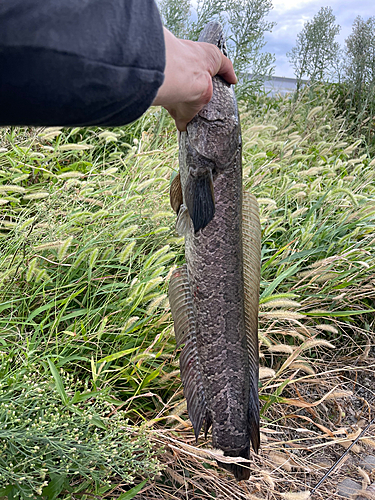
x,y
86,247
84,268
316,196
87,243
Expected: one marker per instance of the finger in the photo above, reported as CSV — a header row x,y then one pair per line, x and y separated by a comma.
x,y
181,125
178,117
220,64
226,70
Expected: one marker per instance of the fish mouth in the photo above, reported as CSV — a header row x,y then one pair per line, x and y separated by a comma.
x,y
222,44
213,33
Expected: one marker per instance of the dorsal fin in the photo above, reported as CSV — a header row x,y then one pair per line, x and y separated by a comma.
x,y
181,303
251,238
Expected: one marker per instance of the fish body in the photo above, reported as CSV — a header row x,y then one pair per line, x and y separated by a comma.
x,y
219,361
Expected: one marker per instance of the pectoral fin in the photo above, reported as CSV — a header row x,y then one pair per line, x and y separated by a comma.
x,y
183,221
199,198
251,237
175,193
181,303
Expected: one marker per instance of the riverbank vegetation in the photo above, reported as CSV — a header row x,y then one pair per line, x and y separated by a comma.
x,y
91,397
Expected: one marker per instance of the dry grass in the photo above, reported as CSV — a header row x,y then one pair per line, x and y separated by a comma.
x,y
302,436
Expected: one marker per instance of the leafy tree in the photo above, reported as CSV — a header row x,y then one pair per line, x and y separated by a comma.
x,y
175,15
360,78
337,70
245,23
205,11
360,53
316,49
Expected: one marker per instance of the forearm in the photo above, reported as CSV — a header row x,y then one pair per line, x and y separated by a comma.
x,y
78,63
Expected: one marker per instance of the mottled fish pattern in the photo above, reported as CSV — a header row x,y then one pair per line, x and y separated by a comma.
x,y
214,305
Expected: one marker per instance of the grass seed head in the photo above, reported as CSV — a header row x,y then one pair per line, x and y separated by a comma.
x,y
127,252
265,372
281,348
93,257
310,344
64,247
36,196
327,328
125,233
281,303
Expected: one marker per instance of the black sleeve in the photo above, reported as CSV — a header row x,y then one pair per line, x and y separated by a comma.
x,y
79,62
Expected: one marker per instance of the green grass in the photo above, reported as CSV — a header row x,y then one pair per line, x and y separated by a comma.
x,y
86,247
84,269
316,194
87,243
52,440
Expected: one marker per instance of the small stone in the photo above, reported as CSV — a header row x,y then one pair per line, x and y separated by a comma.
x,y
369,493
347,487
368,462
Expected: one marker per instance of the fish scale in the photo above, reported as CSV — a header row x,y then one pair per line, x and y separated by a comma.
x,y
219,361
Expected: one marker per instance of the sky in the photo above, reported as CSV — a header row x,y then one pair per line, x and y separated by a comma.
x,y
290,16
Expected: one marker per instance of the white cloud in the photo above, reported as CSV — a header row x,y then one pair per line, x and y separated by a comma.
x,y
290,16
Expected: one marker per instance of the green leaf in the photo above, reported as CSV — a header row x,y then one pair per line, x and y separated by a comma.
x,y
46,307
54,304
149,378
79,398
279,296
116,355
301,255
74,314
57,483
10,491
8,305
131,493
59,383
98,423
316,205
273,398
65,305
279,279
279,252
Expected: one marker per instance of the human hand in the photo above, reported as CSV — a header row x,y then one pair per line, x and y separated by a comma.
x,y
189,69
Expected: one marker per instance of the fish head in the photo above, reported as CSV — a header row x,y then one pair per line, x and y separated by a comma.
x,y
214,132
213,33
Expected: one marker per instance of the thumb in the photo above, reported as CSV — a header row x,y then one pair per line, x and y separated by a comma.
x,y
221,65
226,70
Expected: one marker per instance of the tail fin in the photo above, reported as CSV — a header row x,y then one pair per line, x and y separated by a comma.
x,y
240,472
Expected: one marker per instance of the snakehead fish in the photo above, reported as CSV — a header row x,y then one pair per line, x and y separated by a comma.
x,y
214,296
